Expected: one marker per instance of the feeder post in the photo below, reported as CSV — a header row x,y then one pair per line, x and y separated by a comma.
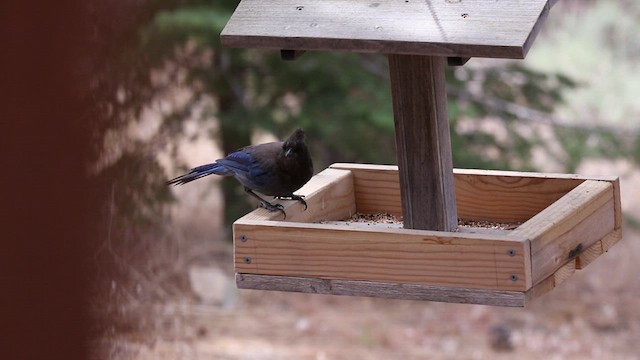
x,y
423,142
419,37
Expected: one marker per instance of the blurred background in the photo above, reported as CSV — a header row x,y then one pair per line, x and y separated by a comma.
x,y
168,98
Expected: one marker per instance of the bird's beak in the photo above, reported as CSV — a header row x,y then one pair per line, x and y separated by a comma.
x,y
288,152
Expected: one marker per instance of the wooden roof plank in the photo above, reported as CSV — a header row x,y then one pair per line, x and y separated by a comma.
x,y
499,29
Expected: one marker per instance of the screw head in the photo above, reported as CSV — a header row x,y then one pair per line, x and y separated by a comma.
x,y
244,238
511,252
247,260
514,277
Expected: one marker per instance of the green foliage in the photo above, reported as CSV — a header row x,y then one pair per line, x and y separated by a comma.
x,y
171,28
341,99
508,93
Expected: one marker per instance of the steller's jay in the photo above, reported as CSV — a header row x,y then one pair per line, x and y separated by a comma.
x,y
274,169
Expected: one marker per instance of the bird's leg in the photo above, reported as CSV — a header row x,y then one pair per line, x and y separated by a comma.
x,y
299,198
265,204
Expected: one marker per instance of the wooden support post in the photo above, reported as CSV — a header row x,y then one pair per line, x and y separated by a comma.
x,y
423,142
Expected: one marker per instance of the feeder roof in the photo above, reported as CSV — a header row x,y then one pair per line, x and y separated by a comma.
x,y
452,28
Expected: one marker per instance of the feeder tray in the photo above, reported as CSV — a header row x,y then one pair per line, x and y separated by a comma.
x,y
566,222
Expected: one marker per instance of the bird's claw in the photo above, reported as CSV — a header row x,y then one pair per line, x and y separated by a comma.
x,y
272,208
299,198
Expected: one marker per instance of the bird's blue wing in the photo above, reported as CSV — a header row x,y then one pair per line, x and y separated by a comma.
x,y
248,169
200,171
238,162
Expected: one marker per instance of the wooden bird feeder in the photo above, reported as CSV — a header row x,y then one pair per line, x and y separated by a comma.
x,y
564,221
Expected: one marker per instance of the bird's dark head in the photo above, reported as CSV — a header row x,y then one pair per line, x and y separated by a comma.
x,y
295,145
295,162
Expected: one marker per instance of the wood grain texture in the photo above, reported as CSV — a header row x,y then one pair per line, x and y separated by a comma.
x,y
540,289
583,259
381,289
589,255
570,225
497,29
598,248
618,205
548,284
508,197
377,187
566,213
564,272
503,196
385,255
423,144
440,266
611,239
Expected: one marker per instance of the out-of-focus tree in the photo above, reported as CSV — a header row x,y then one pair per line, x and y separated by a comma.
x,y
341,99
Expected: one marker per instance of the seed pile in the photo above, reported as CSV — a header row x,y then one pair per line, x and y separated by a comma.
x,y
386,218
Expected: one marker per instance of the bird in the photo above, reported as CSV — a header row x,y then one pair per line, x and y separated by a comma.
x,y
275,169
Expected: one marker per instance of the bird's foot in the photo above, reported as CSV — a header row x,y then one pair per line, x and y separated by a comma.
x,y
272,208
299,198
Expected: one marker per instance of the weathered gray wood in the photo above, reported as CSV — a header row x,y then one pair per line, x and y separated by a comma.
x,y
499,29
381,289
423,142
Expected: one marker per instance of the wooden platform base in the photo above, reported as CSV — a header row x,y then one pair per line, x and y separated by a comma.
x,y
567,221
380,289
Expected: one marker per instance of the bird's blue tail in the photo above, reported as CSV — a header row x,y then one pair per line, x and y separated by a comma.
x,y
198,172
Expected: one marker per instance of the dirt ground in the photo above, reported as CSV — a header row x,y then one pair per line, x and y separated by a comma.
x,y
593,315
